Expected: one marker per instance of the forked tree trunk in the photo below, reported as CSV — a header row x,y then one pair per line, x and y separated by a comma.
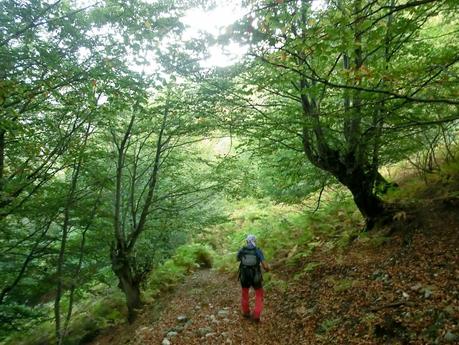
x,y
125,237
352,173
127,282
348,162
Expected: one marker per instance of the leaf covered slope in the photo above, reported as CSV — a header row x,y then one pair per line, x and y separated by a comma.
x,y
397,285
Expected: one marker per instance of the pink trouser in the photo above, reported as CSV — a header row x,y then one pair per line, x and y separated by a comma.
x,y
258,302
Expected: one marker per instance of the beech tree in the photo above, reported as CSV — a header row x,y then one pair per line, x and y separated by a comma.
x,y
156,172
339,82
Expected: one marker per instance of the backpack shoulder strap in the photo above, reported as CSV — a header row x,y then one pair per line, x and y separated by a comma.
x,y
246,250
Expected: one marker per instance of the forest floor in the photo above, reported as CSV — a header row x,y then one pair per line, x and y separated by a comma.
x,y
398,288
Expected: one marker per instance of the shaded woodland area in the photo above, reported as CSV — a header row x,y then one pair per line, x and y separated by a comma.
x,y
125,164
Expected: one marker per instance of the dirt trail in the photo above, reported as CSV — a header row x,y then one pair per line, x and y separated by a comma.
x,y
210,302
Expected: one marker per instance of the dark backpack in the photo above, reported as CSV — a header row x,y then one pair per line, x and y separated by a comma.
x,y
249,269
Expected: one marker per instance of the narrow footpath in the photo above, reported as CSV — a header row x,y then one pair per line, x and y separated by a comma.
x,y
203,310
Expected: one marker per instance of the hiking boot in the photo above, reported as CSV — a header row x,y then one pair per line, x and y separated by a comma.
x,y
246,315
255,319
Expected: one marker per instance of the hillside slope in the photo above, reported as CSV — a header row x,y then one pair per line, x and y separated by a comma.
x,y
397,285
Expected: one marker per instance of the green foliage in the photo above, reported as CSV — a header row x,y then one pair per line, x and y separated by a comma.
x,y
186,259
271,282
91,315
343,285
338,87
416,184
326,326
308,268
70,97
287,234
270,223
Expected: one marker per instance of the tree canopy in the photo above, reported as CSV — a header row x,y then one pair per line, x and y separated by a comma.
x,y
110,127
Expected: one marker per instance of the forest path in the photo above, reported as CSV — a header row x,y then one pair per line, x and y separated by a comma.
x,y
380,289
205,309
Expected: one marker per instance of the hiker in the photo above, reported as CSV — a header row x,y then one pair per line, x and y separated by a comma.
x,y
251,259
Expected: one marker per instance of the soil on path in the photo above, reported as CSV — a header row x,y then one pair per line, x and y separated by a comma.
x,y
205,309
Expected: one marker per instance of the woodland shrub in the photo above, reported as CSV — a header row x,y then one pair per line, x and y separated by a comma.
x,y
186,259
90,316
286,233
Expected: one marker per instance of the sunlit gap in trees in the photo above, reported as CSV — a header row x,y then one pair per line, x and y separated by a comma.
x,y
215,22
199,23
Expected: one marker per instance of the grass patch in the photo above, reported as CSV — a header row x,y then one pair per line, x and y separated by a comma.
x,y
343,285
328,325
378,240
186,259
286,234
437,183
311,266
271,282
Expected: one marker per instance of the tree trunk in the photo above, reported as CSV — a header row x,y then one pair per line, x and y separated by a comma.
x,y
127,282
369,204
352,173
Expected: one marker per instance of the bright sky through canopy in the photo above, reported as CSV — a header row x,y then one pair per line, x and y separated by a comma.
x,y
214,22
217,20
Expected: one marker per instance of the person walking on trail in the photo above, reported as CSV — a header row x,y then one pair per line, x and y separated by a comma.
x,y
251,260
